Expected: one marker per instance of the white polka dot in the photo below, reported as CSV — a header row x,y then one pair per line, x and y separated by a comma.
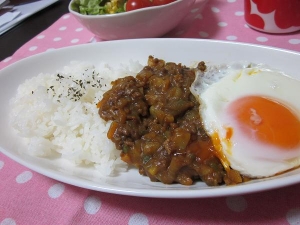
x,y
215,9
222,24
294,41
66,16
199,16
239,13
40,36
8,221
7,59
33,48
24,177
57,39
74,41
79,29
194,10
203,34
236,203
92,204
1,164
62,28
262,39
231,38
138,219
293,216
93,40
56,190
231,1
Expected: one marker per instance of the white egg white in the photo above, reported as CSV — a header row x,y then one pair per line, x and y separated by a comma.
x,y
218,87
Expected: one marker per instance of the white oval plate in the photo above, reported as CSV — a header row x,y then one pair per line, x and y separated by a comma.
x,y
186,51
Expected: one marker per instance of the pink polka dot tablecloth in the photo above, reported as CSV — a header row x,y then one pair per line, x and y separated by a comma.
x,y
27,197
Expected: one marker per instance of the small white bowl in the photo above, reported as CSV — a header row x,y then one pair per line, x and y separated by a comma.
x,y
142,23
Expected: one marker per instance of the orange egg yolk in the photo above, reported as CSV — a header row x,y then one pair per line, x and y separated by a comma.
x,y
267,121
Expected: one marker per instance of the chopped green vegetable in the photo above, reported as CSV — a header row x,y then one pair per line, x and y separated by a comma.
x,y
98,7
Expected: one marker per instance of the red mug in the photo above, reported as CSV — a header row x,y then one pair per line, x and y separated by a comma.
x,y
273,16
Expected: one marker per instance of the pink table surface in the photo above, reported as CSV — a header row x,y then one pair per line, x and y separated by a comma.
x,y
27,197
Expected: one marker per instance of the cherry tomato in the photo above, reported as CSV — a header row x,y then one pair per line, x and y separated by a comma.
x,y
137,4
162,2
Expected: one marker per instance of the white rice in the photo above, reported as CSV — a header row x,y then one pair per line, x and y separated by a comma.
x,y
57,115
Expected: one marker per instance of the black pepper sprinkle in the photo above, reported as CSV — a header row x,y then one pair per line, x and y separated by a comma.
x,y
76,91
60,76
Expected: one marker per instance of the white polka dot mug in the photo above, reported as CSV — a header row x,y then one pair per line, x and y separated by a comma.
x,y
273,16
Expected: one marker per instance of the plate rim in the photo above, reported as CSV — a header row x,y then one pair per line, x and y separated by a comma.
x,y
66,48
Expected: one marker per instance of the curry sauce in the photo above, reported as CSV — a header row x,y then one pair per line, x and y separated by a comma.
x,y
157,127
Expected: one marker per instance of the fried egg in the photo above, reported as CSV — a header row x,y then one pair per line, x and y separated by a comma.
x,y
252,114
